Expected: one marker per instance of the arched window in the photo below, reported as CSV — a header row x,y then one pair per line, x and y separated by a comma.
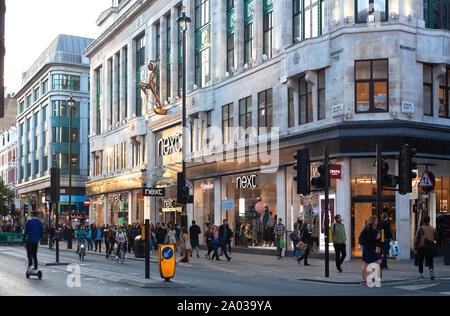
x,y
371,11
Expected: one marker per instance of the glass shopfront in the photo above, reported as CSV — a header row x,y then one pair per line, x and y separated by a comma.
x,y
118,208
139,207
203,204
249,203
97,206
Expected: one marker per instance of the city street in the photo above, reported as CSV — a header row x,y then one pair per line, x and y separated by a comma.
x,y
245,275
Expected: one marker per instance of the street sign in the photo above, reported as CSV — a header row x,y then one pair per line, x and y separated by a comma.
x,y
426,181
335,172
87,202
153,192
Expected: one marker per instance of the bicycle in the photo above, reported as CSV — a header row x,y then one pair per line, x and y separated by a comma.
x,y
110,254
122,250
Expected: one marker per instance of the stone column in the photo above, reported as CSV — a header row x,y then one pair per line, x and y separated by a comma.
x,y
294,88
258,32
116,101
131,208
344,201
217,201
163,57
219,39
281,194
93,96
123,74
174,52
239,35
105,209
283,21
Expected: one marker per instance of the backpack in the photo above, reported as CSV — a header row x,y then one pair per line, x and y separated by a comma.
x,y
362,237
293,236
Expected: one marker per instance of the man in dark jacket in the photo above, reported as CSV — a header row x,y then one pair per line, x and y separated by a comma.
x,y
225,234
194,233
386,243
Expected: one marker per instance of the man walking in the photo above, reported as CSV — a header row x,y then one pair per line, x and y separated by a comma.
x,y
194,233
339,240
224,235
33,233
279,231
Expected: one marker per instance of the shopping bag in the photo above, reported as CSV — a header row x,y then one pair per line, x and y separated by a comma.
x,y
282,243
394,251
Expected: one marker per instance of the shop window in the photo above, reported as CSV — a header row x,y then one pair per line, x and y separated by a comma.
x,y
204,204
371,84
371,11
444,91
428,89
305,102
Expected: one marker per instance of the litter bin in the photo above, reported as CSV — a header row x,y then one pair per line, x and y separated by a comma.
x,y
139,247
44,240
447,252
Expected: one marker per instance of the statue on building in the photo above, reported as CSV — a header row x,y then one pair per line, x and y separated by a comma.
x,y
151,85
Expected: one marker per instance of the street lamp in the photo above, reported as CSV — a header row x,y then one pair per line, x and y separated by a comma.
x,y
183,21
70,104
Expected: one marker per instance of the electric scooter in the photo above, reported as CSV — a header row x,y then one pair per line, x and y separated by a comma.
x,y
32,272
82,252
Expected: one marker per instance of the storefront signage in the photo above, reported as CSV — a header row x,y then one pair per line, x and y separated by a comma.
x,y
228,205
335,172
246,182
170,145
411,49
170,207
338,110
407,107
154,192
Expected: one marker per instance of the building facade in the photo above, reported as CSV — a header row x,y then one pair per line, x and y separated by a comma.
x,y
266,78
43,126
8,162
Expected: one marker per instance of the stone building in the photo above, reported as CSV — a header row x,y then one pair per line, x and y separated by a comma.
x,y
43,126
288,74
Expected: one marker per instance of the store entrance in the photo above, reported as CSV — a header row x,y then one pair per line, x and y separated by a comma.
x,y
361,211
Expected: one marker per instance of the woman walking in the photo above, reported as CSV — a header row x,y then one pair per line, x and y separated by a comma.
x,y
171,237
185,247
208,240
426,247
305,237
215,240
369,239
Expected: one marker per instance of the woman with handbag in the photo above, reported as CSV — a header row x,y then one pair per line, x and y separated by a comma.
x,y
304,244
369,239
426,247
185,247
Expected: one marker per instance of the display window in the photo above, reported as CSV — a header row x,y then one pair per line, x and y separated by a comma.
x,y
118,204
203,204
139,208
97,206
249,203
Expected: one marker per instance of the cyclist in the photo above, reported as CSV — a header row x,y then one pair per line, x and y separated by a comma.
x,y
81,236
121,239
110,235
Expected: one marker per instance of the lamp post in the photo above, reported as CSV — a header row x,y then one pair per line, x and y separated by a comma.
x,y
183,21
71,104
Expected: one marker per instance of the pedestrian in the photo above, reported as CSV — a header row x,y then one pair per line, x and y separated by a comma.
x,y
69,234
208,240
339,241
185,247
106,239
98,239
369,239
386,243
215,241
315,235
225,234
171,237
305,237
295,238
90,239
33,234
194,233
426,247
279,231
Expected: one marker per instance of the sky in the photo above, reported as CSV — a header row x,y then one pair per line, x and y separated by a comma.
x,y
32,25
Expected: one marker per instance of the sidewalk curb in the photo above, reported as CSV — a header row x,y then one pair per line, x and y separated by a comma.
x,y
103,255
385,282
153,284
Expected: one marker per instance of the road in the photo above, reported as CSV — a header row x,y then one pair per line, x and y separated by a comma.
x,y
204,278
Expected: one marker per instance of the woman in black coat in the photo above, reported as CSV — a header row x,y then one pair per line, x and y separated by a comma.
x,y
305,237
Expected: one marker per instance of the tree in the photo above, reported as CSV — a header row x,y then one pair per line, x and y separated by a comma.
x,y
6,194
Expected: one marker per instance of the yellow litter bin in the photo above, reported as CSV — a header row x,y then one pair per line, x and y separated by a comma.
x,y
167,262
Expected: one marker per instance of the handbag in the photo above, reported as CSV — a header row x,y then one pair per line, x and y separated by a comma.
x,y
282,243
394,251
302,246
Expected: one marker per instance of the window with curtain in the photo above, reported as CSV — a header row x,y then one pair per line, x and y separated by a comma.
x,y
376,8
305,102
372,86
428,89
444,90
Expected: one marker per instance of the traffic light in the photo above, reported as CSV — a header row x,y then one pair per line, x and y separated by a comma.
x,y
319,182
303,172
183,196
387,180
33,206
55,184
25,209
406,165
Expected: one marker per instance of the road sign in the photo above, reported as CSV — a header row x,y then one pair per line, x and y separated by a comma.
x,y
426,181
87,202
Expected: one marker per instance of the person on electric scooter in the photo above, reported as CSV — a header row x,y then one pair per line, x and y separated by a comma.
x,y
81,236
33,234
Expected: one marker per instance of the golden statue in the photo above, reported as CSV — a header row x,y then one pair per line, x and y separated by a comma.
x,y
153,67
